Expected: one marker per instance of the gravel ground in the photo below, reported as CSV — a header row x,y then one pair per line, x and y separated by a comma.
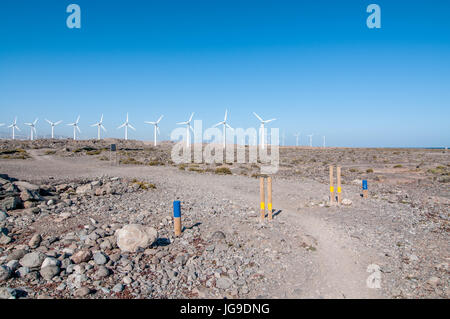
x,y
59,236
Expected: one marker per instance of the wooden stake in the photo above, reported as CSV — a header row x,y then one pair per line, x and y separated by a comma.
x,y
338,172
262,198
269,196
331,185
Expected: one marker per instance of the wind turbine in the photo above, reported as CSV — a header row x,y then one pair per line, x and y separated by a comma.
x,y
126,125
75,128
297,135
53,124
324,141
156,127
310,139
14,126
225,125
32,128
262,132
188,127
99,126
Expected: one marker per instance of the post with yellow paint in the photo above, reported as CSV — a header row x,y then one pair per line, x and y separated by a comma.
x,y
339,189
269,196
262,197
331,185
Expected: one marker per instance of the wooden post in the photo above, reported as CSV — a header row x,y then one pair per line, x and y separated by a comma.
x,y
262,198
338,172
177,217
331,185
269,196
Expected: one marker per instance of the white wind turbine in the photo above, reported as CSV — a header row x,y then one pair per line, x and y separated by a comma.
x,y
310,139
127,125
297,135
188,127
53,124
324,141
156,127
14,126
99,126
75,128
225,125
32,128
262,131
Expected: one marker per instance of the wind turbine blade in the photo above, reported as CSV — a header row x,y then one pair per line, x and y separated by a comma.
x,y
229,126
268,121
17,128
127,117
131,126
101,119
29,124
259,118
157,130
159,119
122,125
190,127
78,129
96,124
78,119
104,129
182,123
57,123
151,123
35,121
220,123
34,129
192,115
226,113
48,122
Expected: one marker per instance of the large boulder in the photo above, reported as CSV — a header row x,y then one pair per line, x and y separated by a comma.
x,y
82,256
22,185
133,236
32,260
10,203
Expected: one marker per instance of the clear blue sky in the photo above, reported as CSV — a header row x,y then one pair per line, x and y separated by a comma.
x,y
314,65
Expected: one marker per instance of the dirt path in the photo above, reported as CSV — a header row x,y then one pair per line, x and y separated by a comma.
x,y
334,268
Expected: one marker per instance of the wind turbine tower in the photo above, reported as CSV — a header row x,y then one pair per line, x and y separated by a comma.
x,y
188,127
32,129
99,126
156,128
225,125
261,128
14,126
53,124
126,125
310,140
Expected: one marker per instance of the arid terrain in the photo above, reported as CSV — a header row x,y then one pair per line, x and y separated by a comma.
x,y
62,203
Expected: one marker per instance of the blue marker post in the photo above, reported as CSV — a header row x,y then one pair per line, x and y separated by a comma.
x,y
177,217
365,189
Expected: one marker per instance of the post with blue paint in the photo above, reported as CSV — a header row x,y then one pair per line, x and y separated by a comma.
x,y
177,217
365,189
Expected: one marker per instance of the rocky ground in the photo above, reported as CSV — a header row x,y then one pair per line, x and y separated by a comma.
x,y
67,210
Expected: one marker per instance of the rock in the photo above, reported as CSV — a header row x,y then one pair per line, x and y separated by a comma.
x,y
434,281
4,240
118,288
49,272
224,283
83,189
7,293
81,256
50,261
10,203
3,216
127,280
346,202
13,265
27,195
32,260
100,258
35,241
102,272
16,254
82,292
134,236
5,273
218,236
22,185
23,271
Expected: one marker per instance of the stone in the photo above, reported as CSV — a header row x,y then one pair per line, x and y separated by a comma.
x,y
224,283
102,272
83,189
4,240
23,271
5,273
49,272
434,281
10,203
218,235
22,185
133,236
16,254
127,280
3,216
35,241
118,288
82,292
32,260
50,261
100,258
81,256
346,202
7,293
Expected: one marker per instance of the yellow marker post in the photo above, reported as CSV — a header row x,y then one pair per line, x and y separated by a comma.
x,y
339,189
269,196
262,197
331,185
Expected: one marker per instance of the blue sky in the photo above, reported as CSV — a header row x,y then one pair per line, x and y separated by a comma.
x,y
314,65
